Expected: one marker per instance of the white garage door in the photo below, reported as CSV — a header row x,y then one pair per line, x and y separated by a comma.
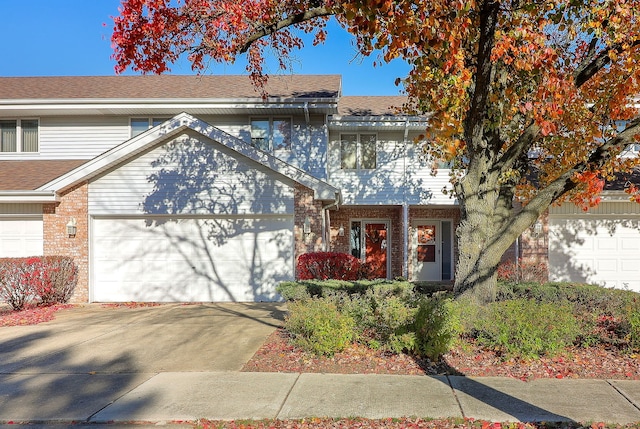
x,y
190,260
20,237
598,249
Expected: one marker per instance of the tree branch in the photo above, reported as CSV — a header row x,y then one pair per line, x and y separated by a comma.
x,y
474,129
291,20
593,62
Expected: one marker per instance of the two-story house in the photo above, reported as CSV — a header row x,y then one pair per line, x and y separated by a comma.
x,y
194,188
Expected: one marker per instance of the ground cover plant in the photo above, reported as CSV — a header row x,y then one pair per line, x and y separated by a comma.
x,y
532,330
400,423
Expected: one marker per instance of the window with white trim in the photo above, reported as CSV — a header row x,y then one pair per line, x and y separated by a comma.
x,y
358,151
140,125
271,134
19,135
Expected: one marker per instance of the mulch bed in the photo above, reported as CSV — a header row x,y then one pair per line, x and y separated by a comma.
x,y
278,355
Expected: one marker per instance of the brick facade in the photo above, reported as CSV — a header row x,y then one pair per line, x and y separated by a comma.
x,y
393,214
306,207
345,214
73,204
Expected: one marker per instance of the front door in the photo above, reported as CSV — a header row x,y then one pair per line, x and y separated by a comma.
x,y
428,250
372,246
375,245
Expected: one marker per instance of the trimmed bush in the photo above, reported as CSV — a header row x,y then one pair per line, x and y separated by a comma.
x,y
329,265
437,326
525,328
318,326
383,318
37,280
304,289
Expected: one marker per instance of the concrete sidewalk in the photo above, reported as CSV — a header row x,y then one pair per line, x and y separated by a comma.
x,y
171,396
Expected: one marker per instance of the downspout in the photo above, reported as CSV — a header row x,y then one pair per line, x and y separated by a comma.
x,y
405,207
326,223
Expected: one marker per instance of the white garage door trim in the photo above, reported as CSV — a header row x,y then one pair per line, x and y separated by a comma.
x,y
21,236
595,248
190,259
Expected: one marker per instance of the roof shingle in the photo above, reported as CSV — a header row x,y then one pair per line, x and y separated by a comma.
x,y
30,175
370,105
165,87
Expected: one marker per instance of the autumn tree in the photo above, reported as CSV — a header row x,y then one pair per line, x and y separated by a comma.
x,y
531,101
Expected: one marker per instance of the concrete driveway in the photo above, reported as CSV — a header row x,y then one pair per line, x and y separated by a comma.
x,y
91,355
170,337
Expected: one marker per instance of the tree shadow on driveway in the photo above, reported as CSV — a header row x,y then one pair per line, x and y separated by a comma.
x,y
37,384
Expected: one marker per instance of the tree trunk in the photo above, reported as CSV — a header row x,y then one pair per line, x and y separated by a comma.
x,y
487,229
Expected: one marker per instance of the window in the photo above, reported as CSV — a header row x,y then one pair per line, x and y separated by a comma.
x,y
19,135
271,134
358,151
140,125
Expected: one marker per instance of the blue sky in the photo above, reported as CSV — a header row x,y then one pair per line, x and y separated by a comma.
x,y
72,37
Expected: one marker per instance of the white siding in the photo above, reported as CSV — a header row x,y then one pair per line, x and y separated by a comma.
x,y
21,209
308,141
189,176
80,137
401,176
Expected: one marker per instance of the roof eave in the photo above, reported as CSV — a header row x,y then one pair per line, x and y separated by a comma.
x,y
33,197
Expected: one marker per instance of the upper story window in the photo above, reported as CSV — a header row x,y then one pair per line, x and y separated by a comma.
x,y
19,135
358,151
271,134
140,125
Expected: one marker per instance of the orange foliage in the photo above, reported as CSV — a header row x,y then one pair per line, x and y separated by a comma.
x,y
540,54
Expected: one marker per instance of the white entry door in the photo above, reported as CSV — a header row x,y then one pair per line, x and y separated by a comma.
x,y
427,259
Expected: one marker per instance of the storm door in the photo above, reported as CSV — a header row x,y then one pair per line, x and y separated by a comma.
x,y
370,242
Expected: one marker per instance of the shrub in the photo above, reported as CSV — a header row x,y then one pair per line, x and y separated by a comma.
x,y
303,289
14,290
437,326
328,265
63,276
383,317
525,328
41,280
318,327
523,271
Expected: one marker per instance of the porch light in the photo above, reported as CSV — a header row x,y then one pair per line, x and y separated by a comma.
x,y
71,227
306,226
341,231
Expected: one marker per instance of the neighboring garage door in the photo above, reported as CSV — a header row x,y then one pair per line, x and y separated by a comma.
x,y
601,248
190,259
20,237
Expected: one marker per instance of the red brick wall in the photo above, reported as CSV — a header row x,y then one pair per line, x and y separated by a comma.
x,y
306,206
73,203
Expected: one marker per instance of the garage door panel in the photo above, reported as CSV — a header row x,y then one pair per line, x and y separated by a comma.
x,y
629,244
604,251
21,237
192,259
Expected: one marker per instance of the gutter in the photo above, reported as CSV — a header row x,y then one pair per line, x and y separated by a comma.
x,y
326,221
28,197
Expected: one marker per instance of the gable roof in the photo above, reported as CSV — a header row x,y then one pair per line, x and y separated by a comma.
x,y
174,127
150,87
28,175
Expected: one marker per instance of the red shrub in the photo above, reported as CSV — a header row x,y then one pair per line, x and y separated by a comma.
x,y
329,265
524,271
39,280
